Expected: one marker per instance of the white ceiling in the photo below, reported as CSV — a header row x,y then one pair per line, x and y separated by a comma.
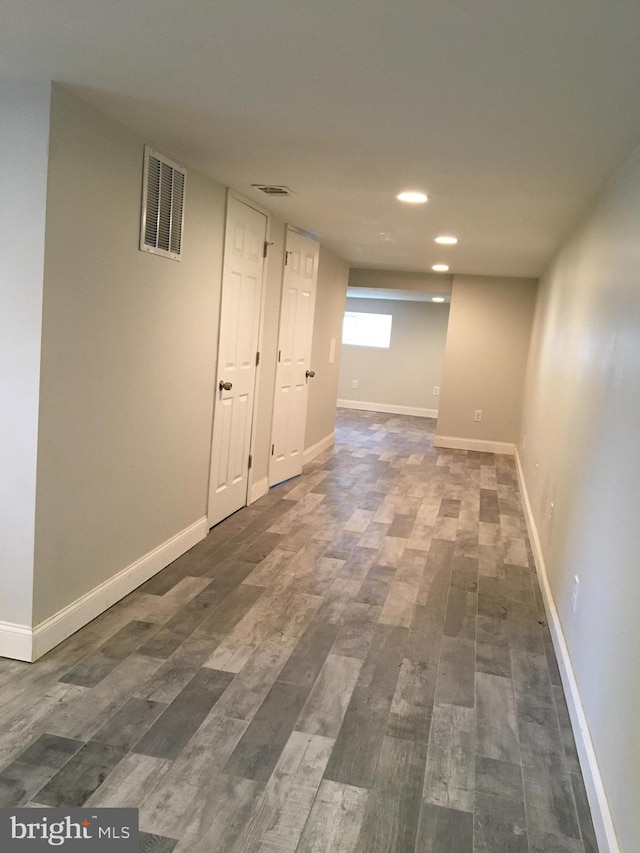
x,y
510,114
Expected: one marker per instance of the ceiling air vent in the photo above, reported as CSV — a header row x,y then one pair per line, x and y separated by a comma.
x,y
163,187
271,189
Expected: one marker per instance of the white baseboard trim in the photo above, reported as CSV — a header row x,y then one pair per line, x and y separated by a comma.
x,y
317,448
15,641
80,612
387,409
258,489
596,794
452,443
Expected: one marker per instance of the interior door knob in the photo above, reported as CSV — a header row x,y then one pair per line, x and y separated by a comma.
x,y
310,374
225,386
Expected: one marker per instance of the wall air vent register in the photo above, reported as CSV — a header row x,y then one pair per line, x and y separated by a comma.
x,y
163,188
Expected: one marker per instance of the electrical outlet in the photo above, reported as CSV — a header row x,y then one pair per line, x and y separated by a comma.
x,y
354,384
477,415
576,590
436,390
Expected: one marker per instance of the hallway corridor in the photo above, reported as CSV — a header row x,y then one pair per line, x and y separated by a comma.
x,y
357,662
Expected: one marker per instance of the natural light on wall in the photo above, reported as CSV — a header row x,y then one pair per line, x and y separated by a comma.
x,y
366,330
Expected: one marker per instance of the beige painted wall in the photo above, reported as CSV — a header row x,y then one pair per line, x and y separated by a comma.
x,y
24,118
485,357
580,449
331,293
406,373
129,345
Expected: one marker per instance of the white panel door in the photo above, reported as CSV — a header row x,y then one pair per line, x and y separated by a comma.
x,y
245,236
294,355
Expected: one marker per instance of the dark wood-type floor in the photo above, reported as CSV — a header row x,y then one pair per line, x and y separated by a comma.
x,y
358,662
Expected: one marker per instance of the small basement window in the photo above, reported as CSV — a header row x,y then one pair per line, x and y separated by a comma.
x,y
366,330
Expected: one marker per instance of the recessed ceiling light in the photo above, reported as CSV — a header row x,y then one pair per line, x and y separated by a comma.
x,y
412,197
446,240
437,298
440,268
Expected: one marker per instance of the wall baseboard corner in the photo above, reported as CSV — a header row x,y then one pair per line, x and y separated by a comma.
x,y
80,612
258,489
317,448
387,409
16,641
454,443
596,793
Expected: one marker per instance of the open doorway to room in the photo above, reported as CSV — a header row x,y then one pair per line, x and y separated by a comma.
x,y
393,343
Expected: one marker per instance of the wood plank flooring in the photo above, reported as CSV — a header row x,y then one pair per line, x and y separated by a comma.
x,y
359,661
